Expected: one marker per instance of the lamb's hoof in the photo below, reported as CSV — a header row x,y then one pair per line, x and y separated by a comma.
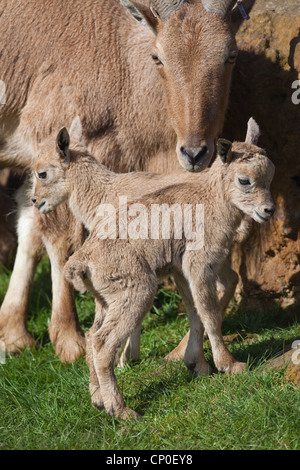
x,y
99,405
173,356
234,368
202,370
79,286
128,413
96,397
238,367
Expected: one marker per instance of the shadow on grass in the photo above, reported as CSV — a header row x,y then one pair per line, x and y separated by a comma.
x,y
266,333
260,330
40,303
164,381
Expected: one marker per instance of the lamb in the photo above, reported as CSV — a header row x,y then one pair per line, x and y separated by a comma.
x,y
110,186
122,273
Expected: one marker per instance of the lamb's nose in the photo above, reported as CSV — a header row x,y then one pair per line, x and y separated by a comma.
x,y
194,154
269,210
33,200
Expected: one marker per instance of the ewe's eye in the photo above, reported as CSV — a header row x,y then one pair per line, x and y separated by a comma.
x,y
42,175
244,182
156,60
231,58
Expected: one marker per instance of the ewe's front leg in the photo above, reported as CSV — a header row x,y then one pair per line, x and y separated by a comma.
x,y
13,313
64,329
208,308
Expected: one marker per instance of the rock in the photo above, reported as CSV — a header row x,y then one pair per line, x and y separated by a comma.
x,y
269,63
292,373
291,361
236,337
281,361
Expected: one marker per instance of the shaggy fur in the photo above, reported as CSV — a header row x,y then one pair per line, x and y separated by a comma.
x,y
109,187
122,274
93,59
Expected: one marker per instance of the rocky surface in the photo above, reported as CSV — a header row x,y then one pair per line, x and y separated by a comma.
x,y
290,361
269,63
292,373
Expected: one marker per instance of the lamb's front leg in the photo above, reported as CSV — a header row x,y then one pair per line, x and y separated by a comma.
x,y
226,284
191,347
203,288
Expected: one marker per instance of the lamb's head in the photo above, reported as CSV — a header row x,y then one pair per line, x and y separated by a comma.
x,y
51,185
248,174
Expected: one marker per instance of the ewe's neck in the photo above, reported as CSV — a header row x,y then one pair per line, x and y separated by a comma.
x,y
88,181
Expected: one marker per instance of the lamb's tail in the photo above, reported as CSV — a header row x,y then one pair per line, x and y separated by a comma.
x,y
75,271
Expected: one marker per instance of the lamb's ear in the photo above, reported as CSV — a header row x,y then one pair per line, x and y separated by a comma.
x,y
142,13
75,131
253,132
224,150
62,143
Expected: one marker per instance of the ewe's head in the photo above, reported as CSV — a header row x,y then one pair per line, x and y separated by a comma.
x,y
248,173
194,51
51,185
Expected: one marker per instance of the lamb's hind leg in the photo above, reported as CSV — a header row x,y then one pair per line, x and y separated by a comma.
x,y
13,313
75,271
61,236
94,385
125,311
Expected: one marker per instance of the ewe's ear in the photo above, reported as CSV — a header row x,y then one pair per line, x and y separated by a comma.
x,y
142,14
224,150
62,143
76,130
237,17
253,132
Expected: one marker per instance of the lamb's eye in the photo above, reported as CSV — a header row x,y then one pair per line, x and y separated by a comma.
x,y
156,60
42,175
244,182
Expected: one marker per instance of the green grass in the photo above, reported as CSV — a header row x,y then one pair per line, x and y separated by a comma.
x,y
46,405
